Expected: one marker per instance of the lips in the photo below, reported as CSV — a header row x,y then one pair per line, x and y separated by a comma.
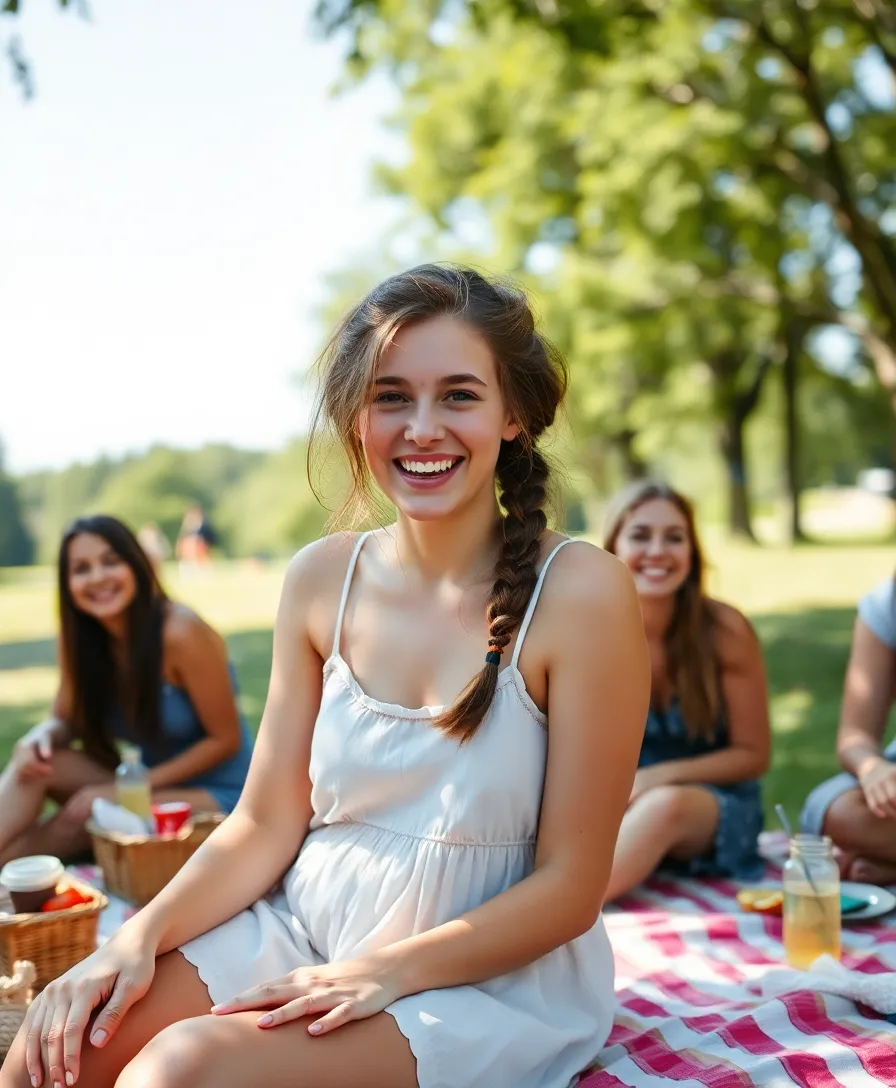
x,y
427,472
103,597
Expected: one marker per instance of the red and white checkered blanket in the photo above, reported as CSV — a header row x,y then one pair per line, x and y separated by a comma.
x,y
688,960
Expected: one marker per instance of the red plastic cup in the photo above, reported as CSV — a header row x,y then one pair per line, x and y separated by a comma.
x,y
170,816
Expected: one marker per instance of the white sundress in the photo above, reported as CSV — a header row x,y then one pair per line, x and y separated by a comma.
x,y
409,831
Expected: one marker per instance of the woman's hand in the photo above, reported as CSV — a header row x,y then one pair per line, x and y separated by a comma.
x,y
346,991
878,784
114,978
33,753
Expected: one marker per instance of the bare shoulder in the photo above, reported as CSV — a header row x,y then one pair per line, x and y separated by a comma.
x,y
587,583
183,627
313,586
736,640
314,569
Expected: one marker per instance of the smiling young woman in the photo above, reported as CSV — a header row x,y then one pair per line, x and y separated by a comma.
x,y
137,667
695,802
438,868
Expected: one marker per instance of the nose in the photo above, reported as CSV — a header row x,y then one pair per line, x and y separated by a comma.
x,y
424,427
656,546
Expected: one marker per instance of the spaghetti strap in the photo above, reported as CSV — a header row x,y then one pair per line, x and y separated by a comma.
x,y
337,634
533,601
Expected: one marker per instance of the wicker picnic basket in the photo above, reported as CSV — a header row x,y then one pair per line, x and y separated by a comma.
x,y
15,994
54,941
137,867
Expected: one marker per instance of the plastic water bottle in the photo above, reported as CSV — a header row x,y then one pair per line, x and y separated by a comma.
x,y
132,789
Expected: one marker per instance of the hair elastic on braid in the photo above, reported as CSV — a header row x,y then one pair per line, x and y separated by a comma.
x,y
493,657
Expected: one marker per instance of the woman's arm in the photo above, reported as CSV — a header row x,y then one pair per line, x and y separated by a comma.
x,y
867,696
261,837
598,695
197,655
745,698
58,723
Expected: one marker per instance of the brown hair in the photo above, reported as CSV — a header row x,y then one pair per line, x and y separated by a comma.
x,y
97,690
692,662
533,381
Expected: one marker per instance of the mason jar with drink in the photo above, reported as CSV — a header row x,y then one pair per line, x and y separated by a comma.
x,y
811,885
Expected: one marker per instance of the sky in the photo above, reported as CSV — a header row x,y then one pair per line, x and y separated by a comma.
x,y
171,203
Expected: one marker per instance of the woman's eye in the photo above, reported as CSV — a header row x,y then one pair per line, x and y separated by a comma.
x,y
461,395
389,398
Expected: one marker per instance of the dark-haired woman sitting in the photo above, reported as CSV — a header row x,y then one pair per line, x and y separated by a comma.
x,y
858,807
135,666
696,799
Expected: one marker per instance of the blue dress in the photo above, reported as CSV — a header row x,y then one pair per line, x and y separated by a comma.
x,y
734,852
181,728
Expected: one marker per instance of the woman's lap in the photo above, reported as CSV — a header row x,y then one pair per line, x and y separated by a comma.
x,y
233,1052
155,1046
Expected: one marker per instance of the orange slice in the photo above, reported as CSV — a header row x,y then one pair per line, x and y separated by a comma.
x,y
761,900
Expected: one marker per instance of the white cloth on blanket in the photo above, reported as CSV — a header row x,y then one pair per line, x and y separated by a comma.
x,y
827,976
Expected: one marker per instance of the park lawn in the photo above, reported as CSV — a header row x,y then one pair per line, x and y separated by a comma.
x,y
801,600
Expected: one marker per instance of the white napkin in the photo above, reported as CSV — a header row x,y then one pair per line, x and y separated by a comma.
x,y
827,976
112,817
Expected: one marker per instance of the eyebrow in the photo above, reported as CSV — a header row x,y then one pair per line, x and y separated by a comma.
x,y
662,528
452,379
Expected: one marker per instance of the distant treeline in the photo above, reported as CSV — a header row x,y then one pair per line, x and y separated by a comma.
x,y
259,503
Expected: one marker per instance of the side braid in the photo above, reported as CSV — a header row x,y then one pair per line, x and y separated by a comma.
x,y
522,476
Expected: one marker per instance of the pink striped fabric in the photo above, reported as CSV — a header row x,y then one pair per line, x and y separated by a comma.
x,y
688,961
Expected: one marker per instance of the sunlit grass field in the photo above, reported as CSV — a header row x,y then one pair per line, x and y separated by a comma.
x,y
802,601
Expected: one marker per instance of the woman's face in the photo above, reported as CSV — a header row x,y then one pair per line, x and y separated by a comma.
x,y
655,544
433,429
99,580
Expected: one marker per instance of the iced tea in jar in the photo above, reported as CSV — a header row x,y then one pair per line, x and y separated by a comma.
x,y
811,885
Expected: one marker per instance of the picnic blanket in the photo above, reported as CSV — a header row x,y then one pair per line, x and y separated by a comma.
x,y
690,1013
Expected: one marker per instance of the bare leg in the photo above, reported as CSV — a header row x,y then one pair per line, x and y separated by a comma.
x,y
177,993
856,830
63,835
233,1052
676,821
21,802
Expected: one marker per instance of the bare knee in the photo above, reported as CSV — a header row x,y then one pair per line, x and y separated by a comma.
x,y
178,1057
666,804
75,812
846,820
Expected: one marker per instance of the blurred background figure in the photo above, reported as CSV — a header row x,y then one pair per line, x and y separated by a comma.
x,y
696,801
195,541
857,808
156,545
136,667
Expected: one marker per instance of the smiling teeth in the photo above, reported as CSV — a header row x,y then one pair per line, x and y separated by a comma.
x,y
430,466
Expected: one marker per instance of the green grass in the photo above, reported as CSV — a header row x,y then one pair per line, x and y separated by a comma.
x,y
802,601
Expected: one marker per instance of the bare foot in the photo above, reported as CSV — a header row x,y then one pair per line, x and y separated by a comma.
x,y
869,871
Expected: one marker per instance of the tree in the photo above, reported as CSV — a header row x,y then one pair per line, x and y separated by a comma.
x,y
755,127
16,543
